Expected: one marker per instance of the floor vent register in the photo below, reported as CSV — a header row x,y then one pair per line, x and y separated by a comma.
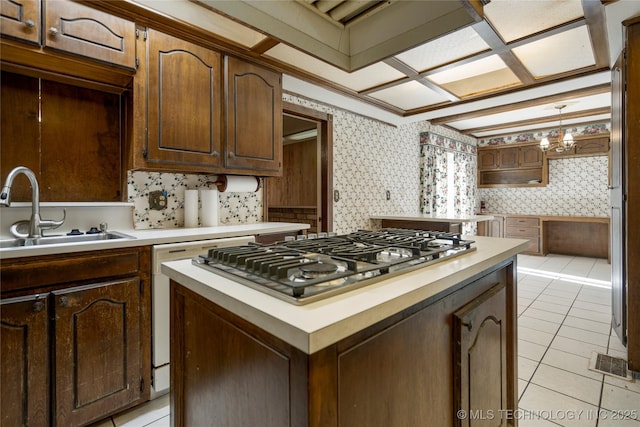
x,y
610,365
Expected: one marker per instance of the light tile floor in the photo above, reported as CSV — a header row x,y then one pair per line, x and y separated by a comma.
x,y
564,310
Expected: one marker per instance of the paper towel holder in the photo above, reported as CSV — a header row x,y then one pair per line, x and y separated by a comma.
x,y
222,182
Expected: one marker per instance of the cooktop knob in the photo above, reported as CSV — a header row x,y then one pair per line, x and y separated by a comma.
x,y
74,232
93,230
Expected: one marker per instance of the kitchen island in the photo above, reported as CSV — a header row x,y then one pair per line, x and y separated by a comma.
x,y
410,350
431,222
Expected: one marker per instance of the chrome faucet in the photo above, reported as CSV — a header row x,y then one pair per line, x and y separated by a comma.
x,y
36,224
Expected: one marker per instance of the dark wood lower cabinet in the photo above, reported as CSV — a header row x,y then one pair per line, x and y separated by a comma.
x,y
75,336
480,353
397,372
97,350
24,371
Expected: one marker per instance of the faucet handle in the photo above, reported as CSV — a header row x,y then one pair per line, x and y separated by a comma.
x,y
50,224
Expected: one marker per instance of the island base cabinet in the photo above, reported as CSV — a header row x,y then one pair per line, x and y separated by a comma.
x,y
399,371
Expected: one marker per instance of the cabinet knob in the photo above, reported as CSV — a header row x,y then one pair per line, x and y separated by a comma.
x,y
53,31
468,324
37,306
29,23
215,154
63,301
232,155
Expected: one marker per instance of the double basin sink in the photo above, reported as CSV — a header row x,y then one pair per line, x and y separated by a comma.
x,y
55,240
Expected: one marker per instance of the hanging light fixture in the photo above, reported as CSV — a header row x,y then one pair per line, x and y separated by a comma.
x,y
564,142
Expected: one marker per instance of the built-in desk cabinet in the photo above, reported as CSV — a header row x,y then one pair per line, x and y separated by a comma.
x,y
492,228
524,228
74,337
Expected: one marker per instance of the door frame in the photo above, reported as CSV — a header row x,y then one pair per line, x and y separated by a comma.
x,y
324,122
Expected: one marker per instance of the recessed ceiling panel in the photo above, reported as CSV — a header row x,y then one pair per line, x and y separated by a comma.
x,y
566,51
515,19
364,78
443,50
537,111
409,95
483,75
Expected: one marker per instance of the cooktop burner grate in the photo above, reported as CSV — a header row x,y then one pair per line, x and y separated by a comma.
x,y
301,271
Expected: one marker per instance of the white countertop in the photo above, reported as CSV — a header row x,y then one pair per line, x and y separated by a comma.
x,y
435,217
155,237
317,325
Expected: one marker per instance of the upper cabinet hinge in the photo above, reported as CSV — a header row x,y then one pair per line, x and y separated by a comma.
x,y
144,35
137,62
141,385
144,152
141,287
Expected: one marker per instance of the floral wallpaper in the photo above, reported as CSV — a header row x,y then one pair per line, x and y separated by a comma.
x,y
235,208
577,187
369,158
582,130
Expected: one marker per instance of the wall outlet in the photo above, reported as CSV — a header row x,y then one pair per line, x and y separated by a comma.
x,y
157,200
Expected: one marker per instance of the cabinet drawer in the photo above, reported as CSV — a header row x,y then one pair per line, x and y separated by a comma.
x,y
533,247
516,231
522,222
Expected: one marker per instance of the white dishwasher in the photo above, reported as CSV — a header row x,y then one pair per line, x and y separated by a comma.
x,y
160,305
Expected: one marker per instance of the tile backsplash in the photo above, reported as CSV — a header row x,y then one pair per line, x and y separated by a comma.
x,y
235,208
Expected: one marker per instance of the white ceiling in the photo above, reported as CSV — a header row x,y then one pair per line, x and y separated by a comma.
x,y
481,67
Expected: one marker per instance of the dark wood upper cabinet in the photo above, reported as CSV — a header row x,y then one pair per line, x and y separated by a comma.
x,y
531,156
20,19
184,104
82,30
509,157
517,165
253,118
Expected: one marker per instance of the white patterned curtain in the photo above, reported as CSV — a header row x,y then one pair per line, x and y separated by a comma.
x,y
435,168
433,179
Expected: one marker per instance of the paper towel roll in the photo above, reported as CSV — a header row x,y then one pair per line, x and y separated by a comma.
x,y
190,208
209,214
237,184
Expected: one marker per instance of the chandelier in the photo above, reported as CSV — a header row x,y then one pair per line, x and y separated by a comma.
x,y
564,143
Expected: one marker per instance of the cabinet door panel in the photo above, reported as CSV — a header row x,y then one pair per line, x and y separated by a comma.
x,y
97,350
487,159
24,373
20,19
185,100
254,118
509,157
531,156
481,358
81,30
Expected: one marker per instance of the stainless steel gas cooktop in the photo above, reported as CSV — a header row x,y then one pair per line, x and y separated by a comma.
x,y
307,270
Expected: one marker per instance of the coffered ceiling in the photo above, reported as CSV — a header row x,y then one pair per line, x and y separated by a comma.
x,y
481,67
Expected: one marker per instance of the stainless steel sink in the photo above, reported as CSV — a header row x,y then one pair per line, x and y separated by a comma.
x,y
55,240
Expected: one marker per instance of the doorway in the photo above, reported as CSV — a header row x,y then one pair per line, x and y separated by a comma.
x,y
303,192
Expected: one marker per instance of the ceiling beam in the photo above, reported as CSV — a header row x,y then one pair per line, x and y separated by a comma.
x,y
264,45
549,99
594,15
529,122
